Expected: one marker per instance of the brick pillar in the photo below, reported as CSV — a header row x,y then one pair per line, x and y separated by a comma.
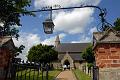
x,y
108,60
4,58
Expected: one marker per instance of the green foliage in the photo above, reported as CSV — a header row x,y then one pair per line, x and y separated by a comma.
x,y
117,24
88,55
19,50
89,65
42,53
10,13
31,73
81,75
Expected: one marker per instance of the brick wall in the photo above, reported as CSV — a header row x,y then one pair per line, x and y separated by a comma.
x,y
107,55
108,60
4,59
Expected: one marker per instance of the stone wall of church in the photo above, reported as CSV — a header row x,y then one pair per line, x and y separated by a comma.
x,y
57,65
77,65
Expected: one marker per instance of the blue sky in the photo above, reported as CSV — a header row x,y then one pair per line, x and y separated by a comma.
x,y
73,26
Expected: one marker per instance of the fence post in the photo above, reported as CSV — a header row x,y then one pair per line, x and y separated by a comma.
x,y
13,69
42,70
95,73
47,68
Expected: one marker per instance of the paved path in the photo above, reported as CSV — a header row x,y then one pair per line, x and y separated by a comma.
x,y
66,75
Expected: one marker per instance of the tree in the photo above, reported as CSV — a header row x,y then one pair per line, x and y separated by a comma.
x,y
117,24
42,53
88,55
10,13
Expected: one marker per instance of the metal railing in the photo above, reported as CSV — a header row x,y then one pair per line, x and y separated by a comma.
x,y
95,73
28,71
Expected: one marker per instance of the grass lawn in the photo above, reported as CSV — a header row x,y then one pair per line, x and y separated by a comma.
x,y
29,75
81,75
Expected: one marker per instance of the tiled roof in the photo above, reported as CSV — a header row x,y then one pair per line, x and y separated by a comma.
x,y
109,35
71,47
4,40
97,35
75,56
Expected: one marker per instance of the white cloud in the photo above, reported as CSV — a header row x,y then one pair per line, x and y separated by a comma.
x,y
86,37
51,40
28,40
73,21
83,39
64,3
94,29
1,24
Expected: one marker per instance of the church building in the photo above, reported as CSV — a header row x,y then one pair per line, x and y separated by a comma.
x,y
69,54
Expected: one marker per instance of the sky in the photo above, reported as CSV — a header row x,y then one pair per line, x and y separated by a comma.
x,y
72,26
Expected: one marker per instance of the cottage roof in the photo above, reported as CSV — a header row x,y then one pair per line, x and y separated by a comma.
x,y
6,41
71,47
108,36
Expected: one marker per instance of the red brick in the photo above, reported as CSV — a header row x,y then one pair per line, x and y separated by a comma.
x,y
113,49
107,55
115,54
114,57
102,65
2,78
115,61
103,56
108,65
119,61
101,50
115,65
106,61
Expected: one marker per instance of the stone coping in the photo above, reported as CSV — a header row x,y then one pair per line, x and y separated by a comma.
x,y
109,69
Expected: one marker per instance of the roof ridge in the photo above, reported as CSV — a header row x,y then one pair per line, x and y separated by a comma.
x,y
77,43
106,33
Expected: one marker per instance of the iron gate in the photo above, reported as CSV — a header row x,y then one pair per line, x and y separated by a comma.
x,y
95,73
27,71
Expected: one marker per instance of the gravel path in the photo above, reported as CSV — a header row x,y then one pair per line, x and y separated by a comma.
x,y
66,75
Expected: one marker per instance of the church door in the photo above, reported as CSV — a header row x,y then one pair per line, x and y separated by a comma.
x,y
67,64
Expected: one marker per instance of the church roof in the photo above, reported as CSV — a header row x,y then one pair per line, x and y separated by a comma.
x,y
75,56
57,38
71,47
